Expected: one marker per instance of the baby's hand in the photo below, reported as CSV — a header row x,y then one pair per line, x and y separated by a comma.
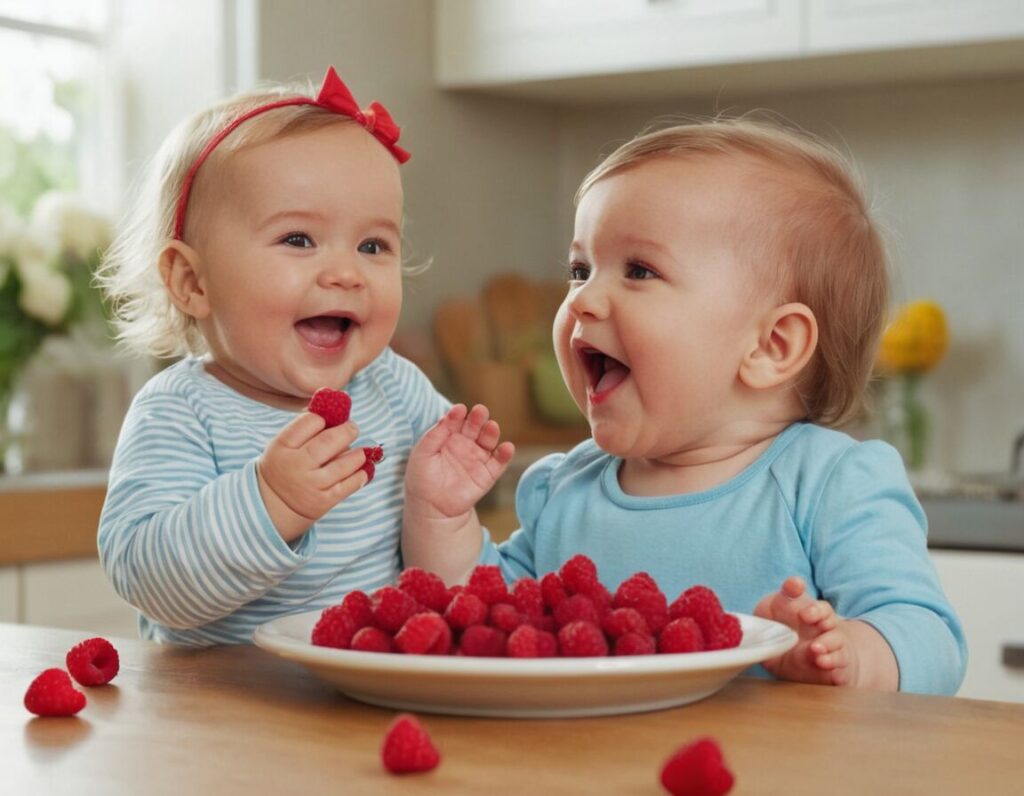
x,y
308,469
455,464
823,654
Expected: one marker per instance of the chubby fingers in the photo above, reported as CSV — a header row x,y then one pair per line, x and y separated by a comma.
x,y
331,443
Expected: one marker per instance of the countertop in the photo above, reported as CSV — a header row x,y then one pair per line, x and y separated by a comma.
x,y
239,720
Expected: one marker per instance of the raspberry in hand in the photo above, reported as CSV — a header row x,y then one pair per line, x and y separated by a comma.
x,y
333,406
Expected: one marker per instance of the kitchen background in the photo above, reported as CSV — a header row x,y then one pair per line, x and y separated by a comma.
x,y
506,104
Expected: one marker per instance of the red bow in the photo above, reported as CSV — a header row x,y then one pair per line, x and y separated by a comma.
x,y
335,96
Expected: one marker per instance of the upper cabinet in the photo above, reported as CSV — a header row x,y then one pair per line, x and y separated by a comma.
x,y
582,50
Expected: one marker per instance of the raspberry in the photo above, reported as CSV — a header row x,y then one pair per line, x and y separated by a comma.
x,y
528,642
697,769
582,640
552,589
724,634
53,694
634,644
374,454
505,617
391,607
700,604
486,582
546,622
370,469
93,662
359,607
334,628
424,634
601,598
576,608
372,639
642,580
424,587
465,610
528,598
579,575
624,620
333,406
652,605
681,635
481,641
407,748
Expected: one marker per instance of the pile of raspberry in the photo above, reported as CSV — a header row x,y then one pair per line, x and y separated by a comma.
x,y
568,613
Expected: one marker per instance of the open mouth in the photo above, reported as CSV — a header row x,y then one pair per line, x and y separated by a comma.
x,y
604,373
325,331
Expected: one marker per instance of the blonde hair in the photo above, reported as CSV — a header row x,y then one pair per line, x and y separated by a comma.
x,y
819,246
146,319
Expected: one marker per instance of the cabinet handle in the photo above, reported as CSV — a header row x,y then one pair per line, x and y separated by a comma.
x,y
1013,656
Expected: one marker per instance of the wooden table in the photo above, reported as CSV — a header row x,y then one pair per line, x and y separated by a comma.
x,y
239,720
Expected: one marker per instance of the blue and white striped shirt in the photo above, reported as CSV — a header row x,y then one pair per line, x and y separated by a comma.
x,y
184,535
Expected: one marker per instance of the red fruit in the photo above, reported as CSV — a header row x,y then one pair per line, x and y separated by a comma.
x,y
528,598
370,469
601,598
545,622
700,604
481,641
552,589
465,610
624,620
697,769
374,454
53,694
582,640
681,635
486,582
391,607
424,634
634,644
93,662
579,575
577,608
642,580
724,634
407,748
372,639
359,607
424,587
527,641
651,605
332,405
505,617
334,628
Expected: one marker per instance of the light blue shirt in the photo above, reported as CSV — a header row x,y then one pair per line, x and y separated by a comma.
x,y
184,535
839,513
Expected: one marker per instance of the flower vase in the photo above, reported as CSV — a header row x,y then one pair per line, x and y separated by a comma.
x,y
906,420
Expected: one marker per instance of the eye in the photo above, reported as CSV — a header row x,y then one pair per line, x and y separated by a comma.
x,y
638,270
578,272
299,240
374,246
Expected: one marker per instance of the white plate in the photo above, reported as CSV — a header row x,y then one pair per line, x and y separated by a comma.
x,y
516,688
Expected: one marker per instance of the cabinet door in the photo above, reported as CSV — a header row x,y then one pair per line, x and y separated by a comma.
x,y
486,42
987,592
75,595
851,25
8,594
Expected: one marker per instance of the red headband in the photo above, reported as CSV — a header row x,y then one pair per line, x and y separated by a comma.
x,y
334,96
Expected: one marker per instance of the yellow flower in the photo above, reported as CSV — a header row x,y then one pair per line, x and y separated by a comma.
x,y
916,339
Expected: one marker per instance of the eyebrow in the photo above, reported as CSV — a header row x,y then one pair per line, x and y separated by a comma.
x,y
631,241
316,215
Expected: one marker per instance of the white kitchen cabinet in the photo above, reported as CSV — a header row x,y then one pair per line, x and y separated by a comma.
x,y
76,595
987,592
9,594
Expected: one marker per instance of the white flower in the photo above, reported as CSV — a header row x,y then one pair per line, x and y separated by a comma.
x,y
11,226
66,220
45,293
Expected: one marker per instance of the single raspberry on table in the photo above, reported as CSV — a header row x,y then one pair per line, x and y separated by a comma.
x,y
407,747
576,608
697,769
53,694
93,662
579,574
465,610
424,634
391,607
634,644
359,607
552,589
620,621
582,640
724,634
650,604
333,406
334,628
486,582
424,587
528,597
505,617
681,635
481,641
527,641
372,639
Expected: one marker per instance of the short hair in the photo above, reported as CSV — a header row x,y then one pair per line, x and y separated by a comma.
x,y
144,316
819,247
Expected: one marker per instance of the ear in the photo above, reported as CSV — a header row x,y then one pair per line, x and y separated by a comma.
x,y
181,275
786,341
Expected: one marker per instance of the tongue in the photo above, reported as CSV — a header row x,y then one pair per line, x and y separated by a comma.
x,y
325,332
614,373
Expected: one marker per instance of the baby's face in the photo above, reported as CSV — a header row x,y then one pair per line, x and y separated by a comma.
x,y
658,315
300,258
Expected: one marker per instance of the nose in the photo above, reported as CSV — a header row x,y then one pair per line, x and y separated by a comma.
x,y
341,271
588,300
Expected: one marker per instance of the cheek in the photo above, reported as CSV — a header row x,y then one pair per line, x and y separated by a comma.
x,y
561,334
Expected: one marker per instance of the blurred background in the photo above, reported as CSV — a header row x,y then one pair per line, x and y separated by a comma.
x,y
506,104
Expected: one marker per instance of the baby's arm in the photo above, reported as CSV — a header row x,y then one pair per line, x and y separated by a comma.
x,y
830,650
452,466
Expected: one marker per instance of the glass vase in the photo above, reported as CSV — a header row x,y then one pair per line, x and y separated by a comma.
x,y
905,422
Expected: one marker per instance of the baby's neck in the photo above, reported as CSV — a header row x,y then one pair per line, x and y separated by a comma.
x,y
700,467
